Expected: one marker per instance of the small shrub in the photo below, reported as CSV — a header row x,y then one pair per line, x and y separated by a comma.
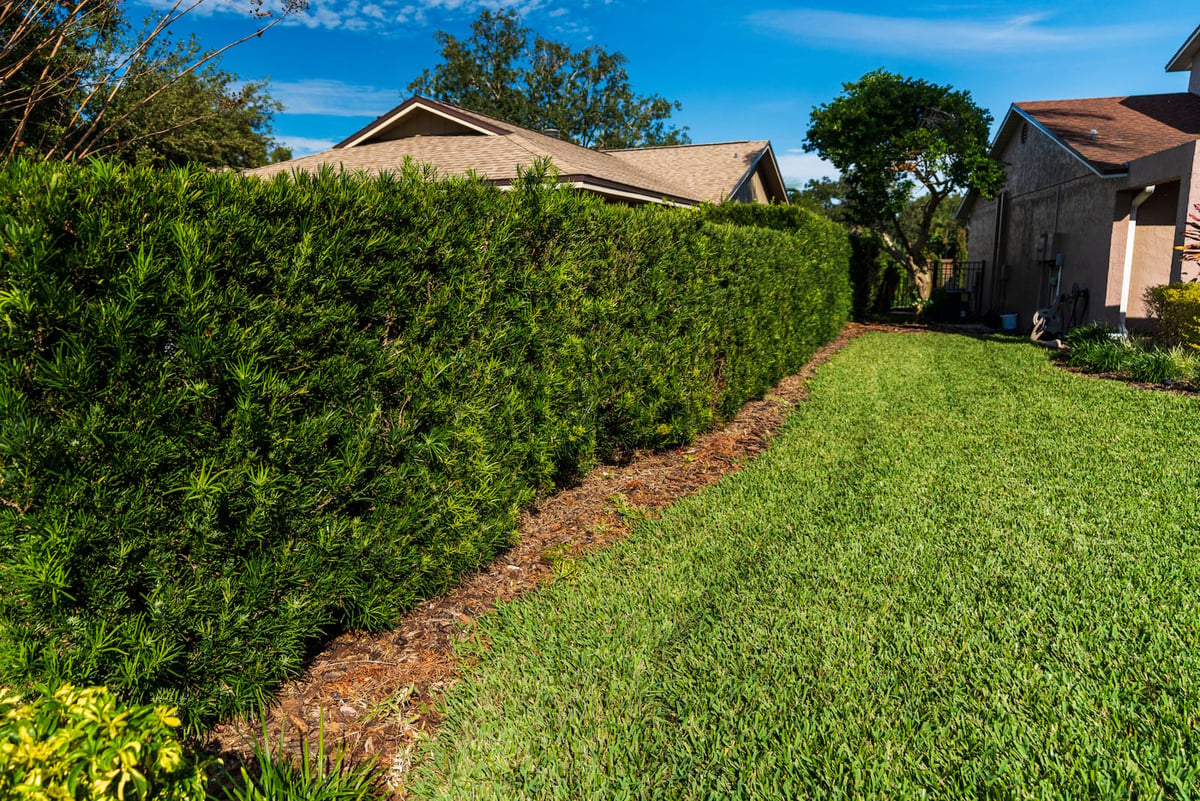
x,y
1177,308
84,744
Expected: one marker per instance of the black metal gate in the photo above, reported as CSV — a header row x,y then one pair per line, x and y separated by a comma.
x,y
963,279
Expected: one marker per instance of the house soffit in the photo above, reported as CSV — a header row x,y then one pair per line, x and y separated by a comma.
x,y
1182,60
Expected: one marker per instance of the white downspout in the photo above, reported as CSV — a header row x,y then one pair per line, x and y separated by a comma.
x,y
1141,198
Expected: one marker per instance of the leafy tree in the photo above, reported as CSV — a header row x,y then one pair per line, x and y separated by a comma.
x,y
76,80
583,94
824,196
198,118
903,147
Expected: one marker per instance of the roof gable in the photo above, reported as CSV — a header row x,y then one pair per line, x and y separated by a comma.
x,y
420,116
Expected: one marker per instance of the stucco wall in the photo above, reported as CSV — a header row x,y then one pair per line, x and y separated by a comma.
x,y
1048,189
1160,229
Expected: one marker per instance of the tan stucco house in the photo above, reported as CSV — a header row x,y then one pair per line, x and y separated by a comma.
x,y
1097,198
457,141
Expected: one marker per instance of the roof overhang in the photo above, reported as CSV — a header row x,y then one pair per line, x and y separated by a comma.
x,y
411,106
602,186
1182,60
773,174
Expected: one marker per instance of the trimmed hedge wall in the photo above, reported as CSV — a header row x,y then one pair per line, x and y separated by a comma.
x,y
237,416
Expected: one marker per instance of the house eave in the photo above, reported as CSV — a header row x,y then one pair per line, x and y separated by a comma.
x,y
1182,60
603,186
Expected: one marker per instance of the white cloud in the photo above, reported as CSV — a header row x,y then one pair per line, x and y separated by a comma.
x,y
334,98
917,35
305,145
382,15
358,15
799,167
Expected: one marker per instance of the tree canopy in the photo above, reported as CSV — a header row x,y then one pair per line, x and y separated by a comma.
x,y
77,80
904,146
536,83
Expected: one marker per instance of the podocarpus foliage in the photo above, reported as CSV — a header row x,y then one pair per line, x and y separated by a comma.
x,y
237,416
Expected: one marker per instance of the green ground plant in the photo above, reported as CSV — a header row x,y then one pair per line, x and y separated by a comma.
x,y
959,572
1098,348
237,416
315,775
83,743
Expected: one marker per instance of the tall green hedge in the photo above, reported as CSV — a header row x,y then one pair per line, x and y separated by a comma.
x,y
237,416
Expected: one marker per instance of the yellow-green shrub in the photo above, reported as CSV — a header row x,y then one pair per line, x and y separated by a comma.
x,y
84,744
1177,307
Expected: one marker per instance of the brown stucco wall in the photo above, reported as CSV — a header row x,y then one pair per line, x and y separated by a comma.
x,y
1046,186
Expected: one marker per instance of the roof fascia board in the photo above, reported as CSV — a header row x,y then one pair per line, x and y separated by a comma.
x,y
604,187
1176,64
603,190
403,110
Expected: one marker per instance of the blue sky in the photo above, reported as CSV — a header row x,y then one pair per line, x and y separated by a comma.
x,y
742,70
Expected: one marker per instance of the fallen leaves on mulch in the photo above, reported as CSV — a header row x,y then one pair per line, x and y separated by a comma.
x,y
375,693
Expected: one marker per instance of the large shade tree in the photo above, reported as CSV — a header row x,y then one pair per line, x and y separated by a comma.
x,y
904,147
77,80
505,70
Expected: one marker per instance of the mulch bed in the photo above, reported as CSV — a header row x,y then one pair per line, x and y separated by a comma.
x,y
1175,388
375,693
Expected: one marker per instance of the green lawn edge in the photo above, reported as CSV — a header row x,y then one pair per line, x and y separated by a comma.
x,y
958,572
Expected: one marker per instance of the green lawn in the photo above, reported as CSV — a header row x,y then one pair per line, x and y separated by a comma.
x,y
958,572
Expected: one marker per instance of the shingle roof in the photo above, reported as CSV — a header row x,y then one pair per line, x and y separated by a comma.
x,y
686,174
707,172
1127,128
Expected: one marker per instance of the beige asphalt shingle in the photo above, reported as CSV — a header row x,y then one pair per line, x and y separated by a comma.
x,y
706,172
690,174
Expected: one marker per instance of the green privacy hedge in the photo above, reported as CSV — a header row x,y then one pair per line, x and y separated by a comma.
x,y
237,416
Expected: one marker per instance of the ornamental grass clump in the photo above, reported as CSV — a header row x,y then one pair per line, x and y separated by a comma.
x,y
1098,348
238,416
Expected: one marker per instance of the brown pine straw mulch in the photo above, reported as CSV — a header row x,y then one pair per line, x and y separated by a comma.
x,y
375,693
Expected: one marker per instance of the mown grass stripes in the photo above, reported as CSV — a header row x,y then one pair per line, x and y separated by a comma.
x,y
959,572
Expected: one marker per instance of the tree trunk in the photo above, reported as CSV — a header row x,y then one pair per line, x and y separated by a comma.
x,y
922,280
